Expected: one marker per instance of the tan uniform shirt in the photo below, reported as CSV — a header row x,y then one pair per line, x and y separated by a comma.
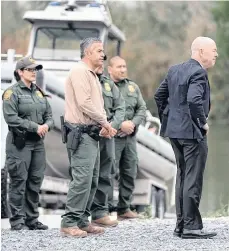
x,y
83,97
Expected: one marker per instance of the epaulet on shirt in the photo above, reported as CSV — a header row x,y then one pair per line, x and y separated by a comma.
x,y
130,81
105,77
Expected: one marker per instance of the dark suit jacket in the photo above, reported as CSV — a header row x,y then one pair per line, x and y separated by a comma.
x,y
183,101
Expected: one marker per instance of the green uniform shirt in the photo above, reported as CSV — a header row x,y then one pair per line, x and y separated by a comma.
x,y
135,104
26,108
114,103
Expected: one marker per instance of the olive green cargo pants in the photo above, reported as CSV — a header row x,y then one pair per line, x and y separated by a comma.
x,y
99,207
84,170
26,171
127,161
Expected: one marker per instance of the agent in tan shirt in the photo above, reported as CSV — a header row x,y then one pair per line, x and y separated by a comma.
x,y
83,97
84,113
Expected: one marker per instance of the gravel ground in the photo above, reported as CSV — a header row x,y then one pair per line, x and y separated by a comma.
x,y
135,235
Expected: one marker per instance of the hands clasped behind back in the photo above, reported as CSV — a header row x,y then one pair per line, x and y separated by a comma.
x,y
108,131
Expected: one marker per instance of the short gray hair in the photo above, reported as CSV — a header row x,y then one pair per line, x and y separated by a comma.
x,y
86,43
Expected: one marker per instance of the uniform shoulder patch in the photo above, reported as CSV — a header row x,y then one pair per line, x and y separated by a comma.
x,y
107,87
131,82
39,94
7,94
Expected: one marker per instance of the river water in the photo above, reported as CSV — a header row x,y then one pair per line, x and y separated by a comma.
x,y
216,177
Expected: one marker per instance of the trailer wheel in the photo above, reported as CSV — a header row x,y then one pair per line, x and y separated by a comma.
x,y
153,202
161,204
139,208
59,204
42,202
4,201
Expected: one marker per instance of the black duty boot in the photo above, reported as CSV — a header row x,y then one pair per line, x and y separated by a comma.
x,y
177,232
37,226
19,226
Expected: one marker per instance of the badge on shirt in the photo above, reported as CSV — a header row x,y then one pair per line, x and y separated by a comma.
x,y
131,88
107,87
39,94
32,60
7,94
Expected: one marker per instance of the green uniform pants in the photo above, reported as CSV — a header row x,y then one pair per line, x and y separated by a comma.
x,y
84,170
127,161
99,207
26,171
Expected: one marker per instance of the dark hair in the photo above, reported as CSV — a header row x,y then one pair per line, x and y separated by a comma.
x,y
17,76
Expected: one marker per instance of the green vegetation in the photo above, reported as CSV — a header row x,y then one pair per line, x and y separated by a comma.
x,y
221,76
155,40
222,212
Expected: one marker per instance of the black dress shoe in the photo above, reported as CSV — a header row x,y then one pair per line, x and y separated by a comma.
x,y
37,226
19,226
197,234
177,232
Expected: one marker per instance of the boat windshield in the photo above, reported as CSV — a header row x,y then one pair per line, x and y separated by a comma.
x,y
60,44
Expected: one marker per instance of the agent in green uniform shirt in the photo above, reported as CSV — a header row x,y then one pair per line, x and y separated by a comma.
x,y
28,114
114,105
125,140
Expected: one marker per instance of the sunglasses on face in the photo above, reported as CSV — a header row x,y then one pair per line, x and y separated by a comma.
x,y
30,69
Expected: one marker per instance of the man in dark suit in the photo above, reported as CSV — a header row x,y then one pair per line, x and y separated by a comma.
x,y
183,101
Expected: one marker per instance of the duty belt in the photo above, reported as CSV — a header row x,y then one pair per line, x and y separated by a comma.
x,y
32,136
84,128
91,130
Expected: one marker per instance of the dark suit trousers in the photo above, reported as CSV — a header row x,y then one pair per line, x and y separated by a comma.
x,y
191,157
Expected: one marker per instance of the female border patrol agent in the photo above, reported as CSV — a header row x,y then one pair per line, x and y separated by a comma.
x,y
28,114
